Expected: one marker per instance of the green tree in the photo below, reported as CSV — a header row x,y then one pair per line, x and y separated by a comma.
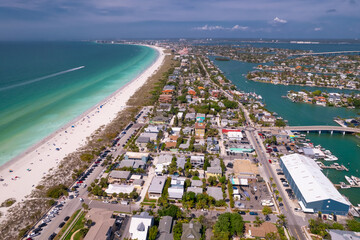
x,y
267,210
177,231
153,232
353,225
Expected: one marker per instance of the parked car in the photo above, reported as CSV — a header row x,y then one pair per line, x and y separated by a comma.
x,y
253,213
61,224
66,218
242,212
52,236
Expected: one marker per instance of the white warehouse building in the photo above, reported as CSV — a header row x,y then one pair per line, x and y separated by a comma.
x,y
314,191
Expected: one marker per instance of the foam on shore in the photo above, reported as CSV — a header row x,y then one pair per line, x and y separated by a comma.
x,y
23,173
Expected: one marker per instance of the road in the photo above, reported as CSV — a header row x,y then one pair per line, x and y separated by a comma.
x,y
252,134
293,225
71,205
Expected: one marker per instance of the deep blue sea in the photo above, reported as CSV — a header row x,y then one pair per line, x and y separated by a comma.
x,y
346,148
45,85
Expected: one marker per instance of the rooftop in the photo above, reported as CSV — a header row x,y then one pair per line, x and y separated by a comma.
x,y
120,174
312,183
157,184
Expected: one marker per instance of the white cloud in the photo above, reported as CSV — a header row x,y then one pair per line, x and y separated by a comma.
x,y
209,28
317,29
217,27
279,20
238,27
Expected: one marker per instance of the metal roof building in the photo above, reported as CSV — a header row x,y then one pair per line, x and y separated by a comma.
x,y
314,191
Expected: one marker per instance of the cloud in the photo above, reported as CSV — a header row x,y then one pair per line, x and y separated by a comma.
x,y
317,29
238,27
218,27
279,20
209,28
331,10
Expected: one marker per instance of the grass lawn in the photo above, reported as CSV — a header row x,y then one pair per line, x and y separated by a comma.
x,y
63,229
78,225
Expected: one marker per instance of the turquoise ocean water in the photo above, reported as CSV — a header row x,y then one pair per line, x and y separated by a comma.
x,y
344,147
45,85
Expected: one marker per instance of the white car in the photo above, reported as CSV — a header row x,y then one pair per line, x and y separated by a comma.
x,y
81,200
330,217
46,220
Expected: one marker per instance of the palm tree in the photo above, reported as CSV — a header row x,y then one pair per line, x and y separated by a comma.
x,y
281,220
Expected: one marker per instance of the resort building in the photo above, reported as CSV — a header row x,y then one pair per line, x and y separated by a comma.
x,y
312,188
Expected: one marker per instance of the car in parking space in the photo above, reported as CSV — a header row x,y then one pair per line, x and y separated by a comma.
x,y
52,236
267,218
253,213
114,202
330,217
242,212
66,218
61,224
297,209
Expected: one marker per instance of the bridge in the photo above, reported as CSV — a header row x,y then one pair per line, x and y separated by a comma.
x,y
319,129
328,53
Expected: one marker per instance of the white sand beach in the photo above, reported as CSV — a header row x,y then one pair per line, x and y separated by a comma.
x,y
22,174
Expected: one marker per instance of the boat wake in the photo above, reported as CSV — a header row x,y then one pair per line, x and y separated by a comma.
x,y
40,78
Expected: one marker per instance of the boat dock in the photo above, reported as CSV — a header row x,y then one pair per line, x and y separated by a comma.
x,y
347,186
333,166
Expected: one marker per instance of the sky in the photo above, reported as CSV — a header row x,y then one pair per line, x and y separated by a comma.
x,y
121,19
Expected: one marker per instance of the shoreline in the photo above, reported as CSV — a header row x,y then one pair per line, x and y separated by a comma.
x,y
30,166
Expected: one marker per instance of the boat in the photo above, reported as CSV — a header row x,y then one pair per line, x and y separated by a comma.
x,y
356,180
330,158
343,185
350,181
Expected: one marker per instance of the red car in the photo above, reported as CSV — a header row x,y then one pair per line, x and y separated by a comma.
x,y
270,161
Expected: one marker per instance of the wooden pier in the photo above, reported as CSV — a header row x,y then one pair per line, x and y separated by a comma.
x,y
333,166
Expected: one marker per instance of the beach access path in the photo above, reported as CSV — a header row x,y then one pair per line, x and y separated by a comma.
x,y
22,174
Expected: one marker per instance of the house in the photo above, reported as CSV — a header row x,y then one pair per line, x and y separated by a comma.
x,y
200,117
165,228
165,98
137,156
215,192
119,176
142,142
259,232
116,188
213,172
196,183
151,135
215,93
190,116
200,130
163,161
343,235
169,145
168,89
197,161
176,189
156,187
191,92
181,162
140,225
135,164
196,190
191,231
152,129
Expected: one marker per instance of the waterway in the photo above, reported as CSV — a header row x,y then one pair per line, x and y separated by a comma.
x,y
344,147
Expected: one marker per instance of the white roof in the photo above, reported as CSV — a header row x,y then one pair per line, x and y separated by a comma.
x,y
312,183
116,188
139,226
235,135
175,192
